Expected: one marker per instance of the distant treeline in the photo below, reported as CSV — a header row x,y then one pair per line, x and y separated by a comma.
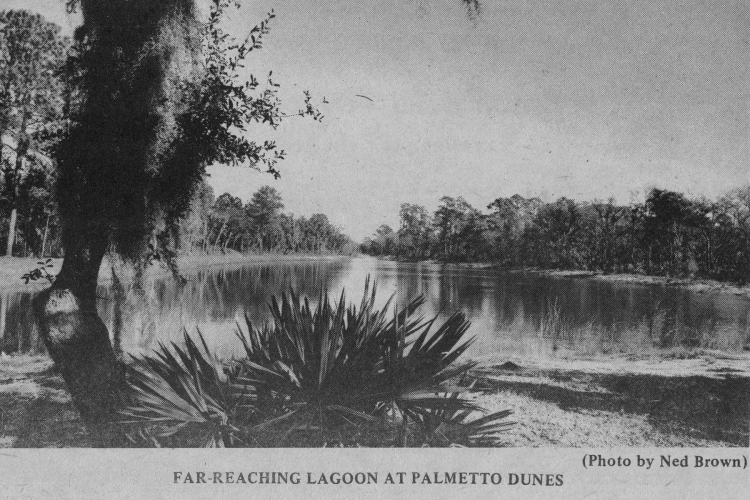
x,y
219,224
213,224
667,235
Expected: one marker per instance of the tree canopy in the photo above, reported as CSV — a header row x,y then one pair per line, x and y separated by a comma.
x,y
32,107
667,234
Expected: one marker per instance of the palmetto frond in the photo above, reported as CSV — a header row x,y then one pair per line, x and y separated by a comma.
x,y
317,375
184,389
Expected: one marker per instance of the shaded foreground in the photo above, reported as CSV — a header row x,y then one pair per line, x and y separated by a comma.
x,y
567,406
553,408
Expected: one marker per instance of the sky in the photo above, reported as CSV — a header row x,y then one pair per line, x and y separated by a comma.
x,y
586,99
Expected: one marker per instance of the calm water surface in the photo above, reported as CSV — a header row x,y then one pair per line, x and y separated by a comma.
x,y
512,314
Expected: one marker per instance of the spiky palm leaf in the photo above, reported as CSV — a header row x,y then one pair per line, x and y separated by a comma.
x,y
334,373
335,365
184,392
458,424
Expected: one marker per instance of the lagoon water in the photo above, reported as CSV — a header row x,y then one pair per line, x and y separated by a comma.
x,y
512,314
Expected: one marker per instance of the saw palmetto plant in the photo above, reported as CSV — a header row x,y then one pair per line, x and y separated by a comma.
x,y
332,375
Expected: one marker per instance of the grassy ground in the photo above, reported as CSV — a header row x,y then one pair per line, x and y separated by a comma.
x,y
543,423
582,406
558,407
35,408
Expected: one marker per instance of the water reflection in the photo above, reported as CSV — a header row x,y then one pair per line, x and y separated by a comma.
x,y
511,313
18,331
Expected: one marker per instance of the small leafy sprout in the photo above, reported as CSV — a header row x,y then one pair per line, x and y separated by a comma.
x,y
40,272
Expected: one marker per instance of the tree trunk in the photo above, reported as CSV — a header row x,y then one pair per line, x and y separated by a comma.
x,y
107,189
22,147
205,236
4,297
78,341
227,241
221,231
44,238
26,239
11,232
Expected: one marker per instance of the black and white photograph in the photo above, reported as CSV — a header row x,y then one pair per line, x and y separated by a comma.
x,y
458,225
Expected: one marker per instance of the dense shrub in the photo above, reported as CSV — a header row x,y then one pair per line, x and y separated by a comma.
x,y
334,375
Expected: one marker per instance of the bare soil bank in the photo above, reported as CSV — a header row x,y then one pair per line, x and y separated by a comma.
x,y
555,405
694,284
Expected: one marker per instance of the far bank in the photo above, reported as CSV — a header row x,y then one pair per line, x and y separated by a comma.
x,y
698,285
13,268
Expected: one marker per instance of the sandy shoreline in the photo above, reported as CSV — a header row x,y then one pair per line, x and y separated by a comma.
x,y
698,285
680,363
695,285
579,403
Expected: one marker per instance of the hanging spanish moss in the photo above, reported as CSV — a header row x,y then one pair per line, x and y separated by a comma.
x,y
123,165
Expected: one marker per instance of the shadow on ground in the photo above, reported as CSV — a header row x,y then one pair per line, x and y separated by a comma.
x,y
38,413
716,409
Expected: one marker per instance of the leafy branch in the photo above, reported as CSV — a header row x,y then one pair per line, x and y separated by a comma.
x,y
39,273
225,105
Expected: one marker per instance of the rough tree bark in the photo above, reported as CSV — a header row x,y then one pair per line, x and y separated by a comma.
x,y
78,341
